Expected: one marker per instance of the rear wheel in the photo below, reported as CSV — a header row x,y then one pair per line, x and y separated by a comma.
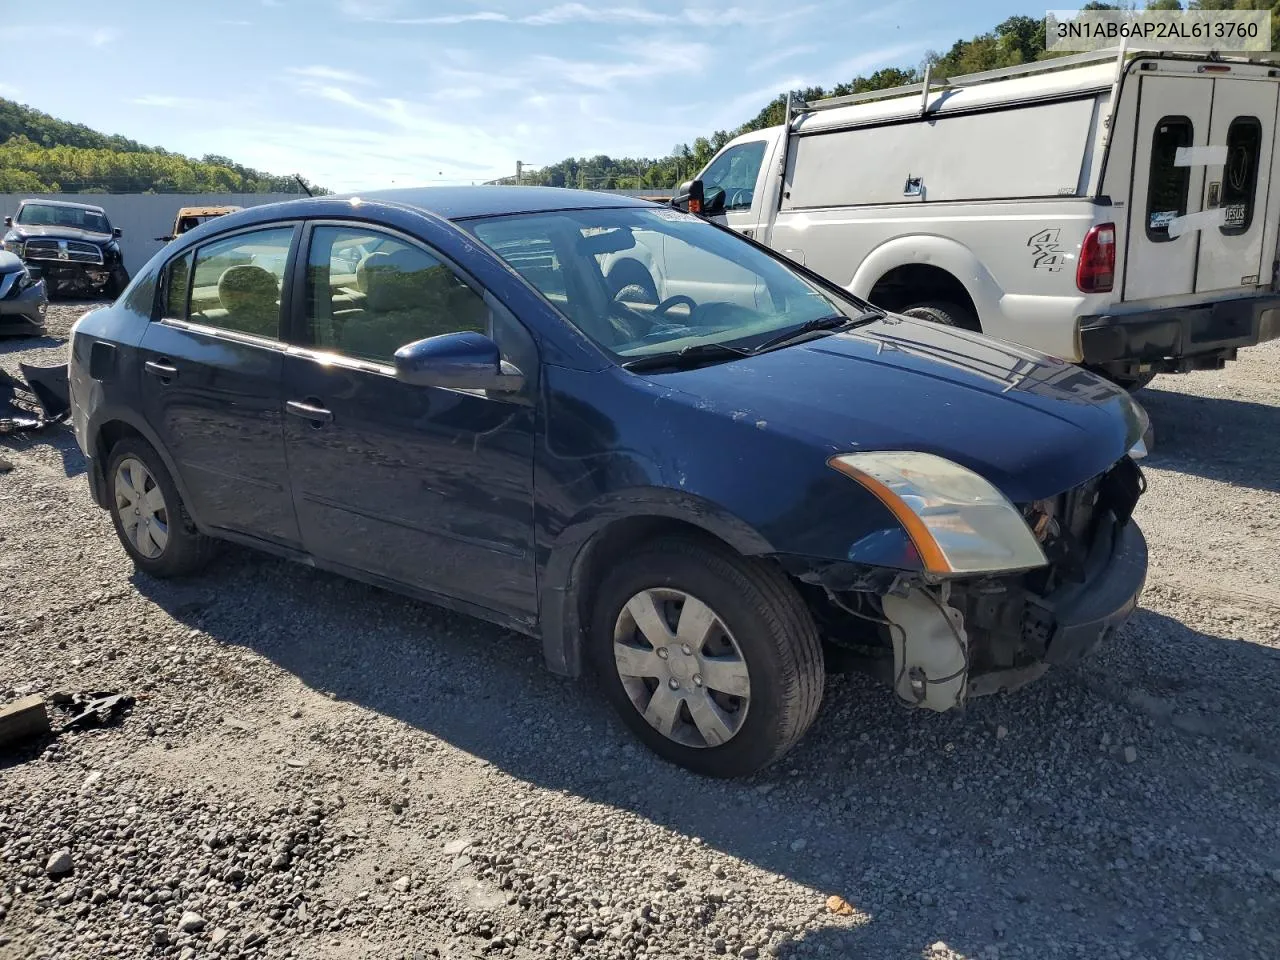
x,y
1132,383
710,658
948,314
148,513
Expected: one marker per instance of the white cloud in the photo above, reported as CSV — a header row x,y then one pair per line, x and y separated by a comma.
x,y
648,60
781,56
102,36
320,72
575,13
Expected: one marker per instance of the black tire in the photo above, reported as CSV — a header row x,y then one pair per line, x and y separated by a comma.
x,y
186,550
948,314
770,625
115,284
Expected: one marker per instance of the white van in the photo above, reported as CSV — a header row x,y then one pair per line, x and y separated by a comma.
x,y
1115,214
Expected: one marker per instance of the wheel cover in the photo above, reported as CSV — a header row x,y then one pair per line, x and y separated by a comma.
x,y
681,667
140,505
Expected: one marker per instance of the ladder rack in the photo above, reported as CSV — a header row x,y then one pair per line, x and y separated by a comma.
x,y
929,84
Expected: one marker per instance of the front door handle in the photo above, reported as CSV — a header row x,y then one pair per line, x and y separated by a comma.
x,y
309,411
163,371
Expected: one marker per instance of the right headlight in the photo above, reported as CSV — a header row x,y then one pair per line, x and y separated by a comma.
x,y
958,522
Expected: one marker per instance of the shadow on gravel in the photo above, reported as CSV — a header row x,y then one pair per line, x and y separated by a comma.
x,y
59,437
1232,441
20,344
1001,821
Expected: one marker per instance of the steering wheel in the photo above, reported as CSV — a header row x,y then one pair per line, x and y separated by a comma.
x,y
662,308
740,198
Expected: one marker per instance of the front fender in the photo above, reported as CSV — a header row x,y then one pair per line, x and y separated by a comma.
x,y
561,626
941,252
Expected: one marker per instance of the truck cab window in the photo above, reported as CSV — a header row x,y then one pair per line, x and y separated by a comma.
x,y
734,174
1240,174
1169,183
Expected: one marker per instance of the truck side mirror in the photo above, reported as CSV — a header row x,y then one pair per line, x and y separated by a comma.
x,y
689,195
8,221
117,233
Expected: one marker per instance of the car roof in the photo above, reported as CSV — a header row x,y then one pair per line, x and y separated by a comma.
x,y
63,203
461,203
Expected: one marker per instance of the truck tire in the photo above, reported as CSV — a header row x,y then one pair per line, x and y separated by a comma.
x,y
940,311
725,694
1132,383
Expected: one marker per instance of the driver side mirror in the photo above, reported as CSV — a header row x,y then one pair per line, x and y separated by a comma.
x,y
116,232
8,221
458,361
689,196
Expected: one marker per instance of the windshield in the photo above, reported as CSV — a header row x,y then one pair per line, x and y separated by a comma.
x,y
641,281
49,215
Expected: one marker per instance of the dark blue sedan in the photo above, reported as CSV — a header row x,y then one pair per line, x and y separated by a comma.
x,y
655,446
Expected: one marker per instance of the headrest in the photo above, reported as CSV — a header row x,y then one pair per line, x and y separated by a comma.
x,y
247,287
401,281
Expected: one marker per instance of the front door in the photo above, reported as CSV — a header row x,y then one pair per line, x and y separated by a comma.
x,y
1168,184
1236,176
211,382
424,486
730,184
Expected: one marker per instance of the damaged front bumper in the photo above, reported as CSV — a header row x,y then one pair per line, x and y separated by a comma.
x,y
1067,623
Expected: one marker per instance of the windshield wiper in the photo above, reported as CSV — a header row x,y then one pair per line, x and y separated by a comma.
x,y
834,322
693,355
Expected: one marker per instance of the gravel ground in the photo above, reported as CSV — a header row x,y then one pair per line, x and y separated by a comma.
x,y
315,768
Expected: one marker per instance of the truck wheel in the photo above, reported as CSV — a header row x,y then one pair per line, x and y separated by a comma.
x,y
940,311
148,513
710,658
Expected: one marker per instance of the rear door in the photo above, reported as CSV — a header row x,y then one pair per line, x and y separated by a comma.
x,y
1236,185
1168,184
211,382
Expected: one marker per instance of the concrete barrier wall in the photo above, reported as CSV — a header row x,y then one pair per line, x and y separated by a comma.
x,y
143,216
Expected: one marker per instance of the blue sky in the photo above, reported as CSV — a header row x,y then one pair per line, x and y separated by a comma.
x,y
357,94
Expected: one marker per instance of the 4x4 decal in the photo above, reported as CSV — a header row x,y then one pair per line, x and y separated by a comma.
x,y
1045,251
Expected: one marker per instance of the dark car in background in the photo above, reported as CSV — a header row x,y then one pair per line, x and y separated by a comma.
x,y
23,301
706,495
72,246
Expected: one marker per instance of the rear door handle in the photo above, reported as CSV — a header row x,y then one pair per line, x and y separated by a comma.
x,y
308,411
164,371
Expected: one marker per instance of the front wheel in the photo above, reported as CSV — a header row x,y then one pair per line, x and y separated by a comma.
x,y
710,658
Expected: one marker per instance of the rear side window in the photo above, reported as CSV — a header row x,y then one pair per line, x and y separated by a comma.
x,y
1240,174
236,282
1168,184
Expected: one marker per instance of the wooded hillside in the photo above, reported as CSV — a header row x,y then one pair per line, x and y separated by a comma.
x,y
42,154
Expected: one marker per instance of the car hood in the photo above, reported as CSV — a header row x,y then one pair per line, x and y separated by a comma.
x,y
28,230
1032,425
9,262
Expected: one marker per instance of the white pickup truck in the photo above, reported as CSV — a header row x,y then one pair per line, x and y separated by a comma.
x,y
1115,214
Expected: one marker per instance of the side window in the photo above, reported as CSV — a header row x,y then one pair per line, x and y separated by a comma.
x,y
1168,184
177,276
1240,174
368,294
237,281
734,174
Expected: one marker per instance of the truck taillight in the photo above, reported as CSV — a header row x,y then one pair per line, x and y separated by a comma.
x,y
1097,269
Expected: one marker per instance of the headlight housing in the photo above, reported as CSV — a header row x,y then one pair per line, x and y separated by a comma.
x,y
958,522
1139,427
17,247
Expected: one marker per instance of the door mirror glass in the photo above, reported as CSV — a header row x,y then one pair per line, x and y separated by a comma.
x,y
459,361
117,232
8,221
715,202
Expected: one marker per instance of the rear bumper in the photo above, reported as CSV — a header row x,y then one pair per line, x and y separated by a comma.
x,y
1175,339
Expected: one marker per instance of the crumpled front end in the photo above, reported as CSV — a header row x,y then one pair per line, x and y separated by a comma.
x,y
939,641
